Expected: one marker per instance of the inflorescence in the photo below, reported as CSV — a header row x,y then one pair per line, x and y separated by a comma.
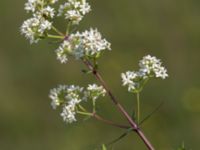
x,y
71,97
150,67
87,46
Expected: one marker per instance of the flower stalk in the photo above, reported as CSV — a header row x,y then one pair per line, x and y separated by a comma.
x,y
138,107
119,106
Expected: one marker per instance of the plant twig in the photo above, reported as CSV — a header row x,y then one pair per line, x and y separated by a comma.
x,y
99,118
138,107
119,106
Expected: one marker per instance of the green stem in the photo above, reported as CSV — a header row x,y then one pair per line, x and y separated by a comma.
x,y
55,36
94,106
68,28
82,108
85,113
138,107
57,31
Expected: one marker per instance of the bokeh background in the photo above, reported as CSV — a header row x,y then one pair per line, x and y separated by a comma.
x,y
168,29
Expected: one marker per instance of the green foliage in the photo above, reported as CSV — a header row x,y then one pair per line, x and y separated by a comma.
x,y
182,147
104,147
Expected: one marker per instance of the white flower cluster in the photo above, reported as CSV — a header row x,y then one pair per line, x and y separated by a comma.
x,y
74,10
37,26
36,5
93,43
149,67
94,92
63,93
71,96
153,66
87,44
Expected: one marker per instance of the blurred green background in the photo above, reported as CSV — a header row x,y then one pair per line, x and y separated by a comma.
x,y
168,29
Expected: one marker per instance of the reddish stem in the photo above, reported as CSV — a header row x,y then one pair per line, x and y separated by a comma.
x,y
119,106
110,122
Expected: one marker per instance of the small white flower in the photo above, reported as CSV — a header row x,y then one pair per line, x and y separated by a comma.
x,y
70,47
29,29
57,95
74,16
74,10
68,113
93,43
149,67
30,6
153,67
48,12
36,5
44,25
69,97
53,1
34,28
85,7
161,72
94,92
132,79
89,43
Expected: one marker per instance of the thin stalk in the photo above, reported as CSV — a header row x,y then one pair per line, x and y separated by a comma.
x,y
55,36
94,106
138,107
99,118
85,113
68,28
119,106
82,108
57,31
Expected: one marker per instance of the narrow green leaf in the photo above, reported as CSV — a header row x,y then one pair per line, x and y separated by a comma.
x,y
120,137
133,115
86,71
154,111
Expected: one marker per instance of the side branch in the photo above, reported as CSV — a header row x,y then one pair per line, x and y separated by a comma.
x,y
99,118
119,106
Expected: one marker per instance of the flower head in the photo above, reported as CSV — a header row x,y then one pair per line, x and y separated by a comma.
x,y
94,92
57,95
150,67
74,10
36,5
35,28
68,114
132,79
64,94
93,42
87,44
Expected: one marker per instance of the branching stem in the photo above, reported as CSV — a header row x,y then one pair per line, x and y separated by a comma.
x,y
99,118
119,106
55,36
57,31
